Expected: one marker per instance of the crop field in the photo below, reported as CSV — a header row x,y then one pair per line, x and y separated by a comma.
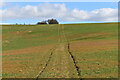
x,y
60,51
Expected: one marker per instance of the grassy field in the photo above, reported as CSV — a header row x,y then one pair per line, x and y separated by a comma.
x,y
60,51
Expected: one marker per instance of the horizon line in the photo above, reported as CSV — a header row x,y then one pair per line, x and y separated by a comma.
x,y
60,23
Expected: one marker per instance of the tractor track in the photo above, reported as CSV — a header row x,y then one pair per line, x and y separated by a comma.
x,y
51,53
77,68
49,58
62,38
71,55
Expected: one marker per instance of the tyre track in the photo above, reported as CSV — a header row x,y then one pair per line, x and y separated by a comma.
x,y
49,58
51,53
70,53
77,68
62,39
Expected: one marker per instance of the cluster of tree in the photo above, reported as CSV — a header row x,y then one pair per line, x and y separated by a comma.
x,y
42,22
49,21
22,24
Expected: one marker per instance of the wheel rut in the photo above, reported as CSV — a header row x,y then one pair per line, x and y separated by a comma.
x,y
71,55
49,58
77,68
61,63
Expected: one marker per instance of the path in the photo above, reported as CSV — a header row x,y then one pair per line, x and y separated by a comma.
x,y
61,63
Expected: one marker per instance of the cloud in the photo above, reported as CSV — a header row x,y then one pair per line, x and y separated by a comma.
x,y
105,14
59,11
35,12
2,3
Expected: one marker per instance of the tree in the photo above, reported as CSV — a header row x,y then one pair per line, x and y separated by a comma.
x,y
43,22
52,21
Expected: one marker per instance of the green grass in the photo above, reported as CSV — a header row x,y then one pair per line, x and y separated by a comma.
x,y
82,29
99,62
104,60
24,39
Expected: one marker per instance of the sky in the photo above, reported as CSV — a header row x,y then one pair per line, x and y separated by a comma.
x,y
64,12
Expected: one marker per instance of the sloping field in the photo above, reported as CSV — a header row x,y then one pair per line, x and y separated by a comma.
x,y
60,51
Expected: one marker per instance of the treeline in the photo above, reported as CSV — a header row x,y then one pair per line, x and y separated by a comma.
x,y
49,21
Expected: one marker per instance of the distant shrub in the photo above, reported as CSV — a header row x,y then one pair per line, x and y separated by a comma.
x,y
52,21
49,21
43,22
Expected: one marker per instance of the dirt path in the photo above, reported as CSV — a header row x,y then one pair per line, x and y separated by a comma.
x,y
61,63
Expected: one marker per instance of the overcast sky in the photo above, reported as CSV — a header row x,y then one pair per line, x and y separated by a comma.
x,y
64,12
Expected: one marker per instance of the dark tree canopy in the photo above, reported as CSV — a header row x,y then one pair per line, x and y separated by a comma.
x,y
53,21
43,22
49,21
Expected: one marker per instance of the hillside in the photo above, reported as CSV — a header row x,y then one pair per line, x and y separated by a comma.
x,y
60,50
